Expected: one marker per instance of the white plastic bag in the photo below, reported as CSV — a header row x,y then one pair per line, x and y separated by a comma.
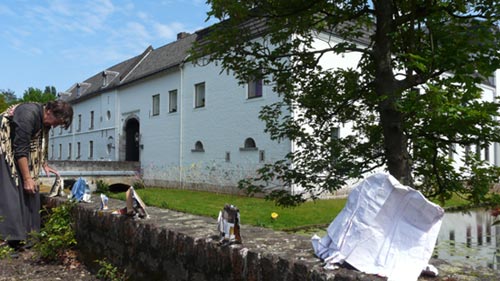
x,y
385,228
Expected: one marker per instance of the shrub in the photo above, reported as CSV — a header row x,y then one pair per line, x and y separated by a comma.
x,y
109,272
56,235
5,251
102,187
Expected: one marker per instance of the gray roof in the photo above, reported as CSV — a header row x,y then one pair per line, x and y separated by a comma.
x,y
148,63
163,58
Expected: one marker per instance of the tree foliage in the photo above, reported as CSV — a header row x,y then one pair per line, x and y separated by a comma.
x,y
412,97
36,95
7,97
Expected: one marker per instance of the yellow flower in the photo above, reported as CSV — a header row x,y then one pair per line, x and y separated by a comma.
x,y
274,215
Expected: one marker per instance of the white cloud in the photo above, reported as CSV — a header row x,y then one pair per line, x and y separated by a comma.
x,y
168,31
136,31
143,16
6,11
60,7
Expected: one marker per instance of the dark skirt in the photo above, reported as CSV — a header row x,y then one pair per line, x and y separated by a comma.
x,y
19,211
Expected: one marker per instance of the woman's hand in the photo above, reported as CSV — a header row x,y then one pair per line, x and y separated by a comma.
x,y
30,186
49,170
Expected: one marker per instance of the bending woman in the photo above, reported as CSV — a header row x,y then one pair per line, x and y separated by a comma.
x,y
24,140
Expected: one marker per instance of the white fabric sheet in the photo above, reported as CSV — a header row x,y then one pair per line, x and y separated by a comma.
x,y
385,228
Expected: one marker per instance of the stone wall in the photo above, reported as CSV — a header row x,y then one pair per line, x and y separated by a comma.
x,y
177,246
182,247
69,165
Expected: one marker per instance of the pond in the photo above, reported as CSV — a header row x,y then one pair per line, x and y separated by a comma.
x,y
469,238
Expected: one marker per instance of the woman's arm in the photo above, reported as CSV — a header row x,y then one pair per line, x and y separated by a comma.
x,y
29,183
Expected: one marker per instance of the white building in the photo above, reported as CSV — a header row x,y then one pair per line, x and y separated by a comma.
x,y
189,126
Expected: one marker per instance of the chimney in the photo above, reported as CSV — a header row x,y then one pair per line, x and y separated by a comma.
x,y
182,35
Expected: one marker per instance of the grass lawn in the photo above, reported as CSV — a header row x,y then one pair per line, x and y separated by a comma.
x,y
253,211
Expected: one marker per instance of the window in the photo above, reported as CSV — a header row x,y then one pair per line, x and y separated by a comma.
x,y
104,79
335,133
70,151
91,120
487,153
172,101
60,130
334,137
156,105
262,156
78,150
228,156
110,145
60,151
108,115
451,151
249,145
199,98
198,147
91,149
255,88
51,151
79,128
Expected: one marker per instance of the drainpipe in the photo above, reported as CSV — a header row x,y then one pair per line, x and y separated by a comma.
x,y
181,123
117,121
496,91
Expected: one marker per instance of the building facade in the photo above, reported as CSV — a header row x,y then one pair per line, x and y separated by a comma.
x,y
189,126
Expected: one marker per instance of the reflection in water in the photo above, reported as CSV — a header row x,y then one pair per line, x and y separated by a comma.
x,y
469,238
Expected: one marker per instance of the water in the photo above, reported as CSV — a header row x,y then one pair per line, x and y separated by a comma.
x,y
469,238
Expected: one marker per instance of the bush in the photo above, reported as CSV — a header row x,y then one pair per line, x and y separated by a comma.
x,y
56,235
109,272
102,187
5,251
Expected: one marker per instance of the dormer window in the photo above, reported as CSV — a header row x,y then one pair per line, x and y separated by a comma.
x,y
108,76
81,87
78,90
104,79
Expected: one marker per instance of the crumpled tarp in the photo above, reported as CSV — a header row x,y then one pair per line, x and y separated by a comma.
x,y
385,228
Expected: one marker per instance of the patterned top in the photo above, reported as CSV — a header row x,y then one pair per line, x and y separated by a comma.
x,y
22,134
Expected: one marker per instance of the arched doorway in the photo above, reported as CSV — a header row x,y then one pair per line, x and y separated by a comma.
x,y
132,140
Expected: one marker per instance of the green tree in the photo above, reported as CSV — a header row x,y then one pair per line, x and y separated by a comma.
x,y
7,97
36,95
413,96
3,104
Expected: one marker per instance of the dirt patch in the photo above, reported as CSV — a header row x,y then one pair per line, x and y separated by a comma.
x,y
27,267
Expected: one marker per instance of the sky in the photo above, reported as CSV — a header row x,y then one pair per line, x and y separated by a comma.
x,y
62,42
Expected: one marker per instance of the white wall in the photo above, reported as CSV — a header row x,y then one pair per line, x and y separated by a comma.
x,y
104,127
168,139
159,133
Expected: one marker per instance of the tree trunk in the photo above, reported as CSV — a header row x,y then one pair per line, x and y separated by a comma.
x,y
391,119
395,142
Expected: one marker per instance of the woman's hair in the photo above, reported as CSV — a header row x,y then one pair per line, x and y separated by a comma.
x,y
61,110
